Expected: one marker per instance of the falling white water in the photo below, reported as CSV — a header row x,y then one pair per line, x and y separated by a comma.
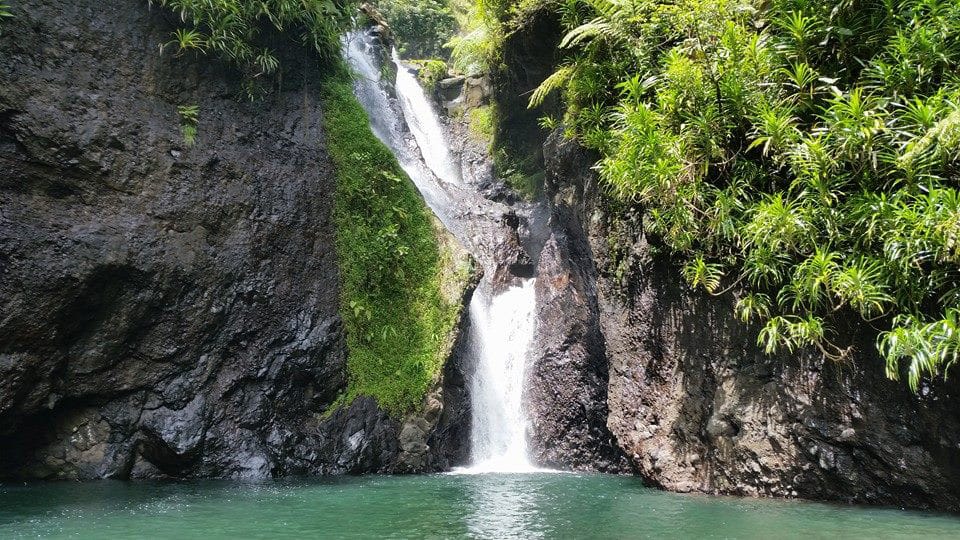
x,y
501,324
501,328
387,124
425,125
383,122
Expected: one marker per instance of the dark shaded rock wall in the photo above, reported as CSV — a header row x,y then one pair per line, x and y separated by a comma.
x,y
164,310
529,54
696,406
449,441
567,382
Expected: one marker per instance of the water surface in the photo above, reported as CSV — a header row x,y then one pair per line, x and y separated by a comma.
x,y
437,506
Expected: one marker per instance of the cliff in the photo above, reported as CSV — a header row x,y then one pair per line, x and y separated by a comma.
x,y
696,405
168,309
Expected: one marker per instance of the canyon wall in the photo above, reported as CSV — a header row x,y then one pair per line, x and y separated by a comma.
x,y
168,310
697,406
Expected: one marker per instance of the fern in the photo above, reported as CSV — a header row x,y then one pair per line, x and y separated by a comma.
x,y
231,29
189,118
555,81
594,28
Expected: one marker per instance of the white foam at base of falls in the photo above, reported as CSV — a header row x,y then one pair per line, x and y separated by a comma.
x,y
501,327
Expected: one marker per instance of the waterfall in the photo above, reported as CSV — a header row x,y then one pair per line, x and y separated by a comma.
x,y
387,124
501,320
500,332
425,125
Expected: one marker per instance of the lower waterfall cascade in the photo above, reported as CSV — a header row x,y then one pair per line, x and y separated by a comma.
x,y
500,332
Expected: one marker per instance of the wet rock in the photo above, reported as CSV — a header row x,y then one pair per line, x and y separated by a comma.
x,y
567,387
476,91
436,436
361,436
377,23
450,90
448,443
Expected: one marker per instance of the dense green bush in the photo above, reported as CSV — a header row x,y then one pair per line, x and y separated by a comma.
x,y
391,268
430,72
803,154
421,27
482,26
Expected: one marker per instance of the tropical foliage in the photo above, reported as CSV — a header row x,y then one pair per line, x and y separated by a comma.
x,y
483,25
421,27
803,154
242,31
189,118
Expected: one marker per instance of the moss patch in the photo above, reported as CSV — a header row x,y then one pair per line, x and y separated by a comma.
x,y
480,121
430,72
393,267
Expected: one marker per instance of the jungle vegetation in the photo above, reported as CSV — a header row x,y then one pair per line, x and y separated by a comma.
x,y
392,267
420,27
804,155
244,32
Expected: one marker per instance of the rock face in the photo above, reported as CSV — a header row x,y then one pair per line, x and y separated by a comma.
x,y
528,56
696,406
567,386
167,310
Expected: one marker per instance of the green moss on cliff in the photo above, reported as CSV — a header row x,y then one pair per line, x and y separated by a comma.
x,y
397,267
393,269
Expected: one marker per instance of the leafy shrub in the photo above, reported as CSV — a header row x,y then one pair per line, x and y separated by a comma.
x,y
189,118
430,72
480,122
237,30
805,154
